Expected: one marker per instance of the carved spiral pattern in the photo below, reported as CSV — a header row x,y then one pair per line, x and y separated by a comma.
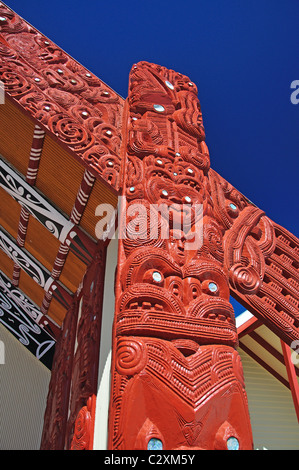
x,y
66,98
15,83
70,132
245,279
82,430
131,357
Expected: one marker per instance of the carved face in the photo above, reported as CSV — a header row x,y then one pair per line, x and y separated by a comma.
x,y
177,203
176,246
171,299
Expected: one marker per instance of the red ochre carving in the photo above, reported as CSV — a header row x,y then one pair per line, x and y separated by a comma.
x,y
177,376
70,412
67,100
262,259
84,427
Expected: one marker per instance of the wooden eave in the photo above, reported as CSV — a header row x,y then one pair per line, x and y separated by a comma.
x,y
60,134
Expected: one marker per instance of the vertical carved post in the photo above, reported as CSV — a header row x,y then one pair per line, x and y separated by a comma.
x,y
177,380
70,412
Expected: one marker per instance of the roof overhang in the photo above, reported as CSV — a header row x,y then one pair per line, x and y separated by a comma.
x,y
268,350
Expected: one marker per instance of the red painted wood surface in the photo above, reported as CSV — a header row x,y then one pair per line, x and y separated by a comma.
x,y
70,412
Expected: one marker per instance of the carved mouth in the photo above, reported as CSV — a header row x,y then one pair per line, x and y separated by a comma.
x,y
213,309
147,310
149,322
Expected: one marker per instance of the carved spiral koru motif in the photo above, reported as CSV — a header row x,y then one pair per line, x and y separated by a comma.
x,y
15,83
82,436
70,132
66,98
245,279
131,356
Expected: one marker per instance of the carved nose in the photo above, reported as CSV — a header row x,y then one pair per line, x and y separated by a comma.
x,y
176,200
180,245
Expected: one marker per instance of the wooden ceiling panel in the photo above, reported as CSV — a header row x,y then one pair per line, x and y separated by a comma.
x,y
9,213
56,312
100,194
6,265
31,288
59,176
16,134
41,243
72,273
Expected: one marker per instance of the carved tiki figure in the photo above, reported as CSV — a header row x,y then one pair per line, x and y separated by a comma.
x,y
177,377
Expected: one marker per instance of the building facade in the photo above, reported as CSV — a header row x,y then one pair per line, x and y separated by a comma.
x,y
120,249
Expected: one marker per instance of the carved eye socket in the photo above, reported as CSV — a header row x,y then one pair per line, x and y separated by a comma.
x,y
232,443
195,292
169,85
188,199
159,108
210,287
155,444
157,276
153,276
175,289
232,209
164,193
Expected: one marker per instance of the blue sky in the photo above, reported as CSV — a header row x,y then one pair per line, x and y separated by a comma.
x,y
243,56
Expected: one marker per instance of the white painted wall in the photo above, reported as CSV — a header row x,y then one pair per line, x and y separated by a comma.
x,y
103,394
24,383
272,414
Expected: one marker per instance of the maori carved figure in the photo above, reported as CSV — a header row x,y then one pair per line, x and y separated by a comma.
x,y
65,98
70,411
55,419
177,377
86,356
262,259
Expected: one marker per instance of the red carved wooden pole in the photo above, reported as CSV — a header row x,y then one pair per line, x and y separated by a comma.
x,y
177,380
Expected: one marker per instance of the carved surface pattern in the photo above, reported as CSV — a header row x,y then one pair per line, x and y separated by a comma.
x,y
73,385
55,417
65,98
175,338
83,437
175,334
86,357
262,259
